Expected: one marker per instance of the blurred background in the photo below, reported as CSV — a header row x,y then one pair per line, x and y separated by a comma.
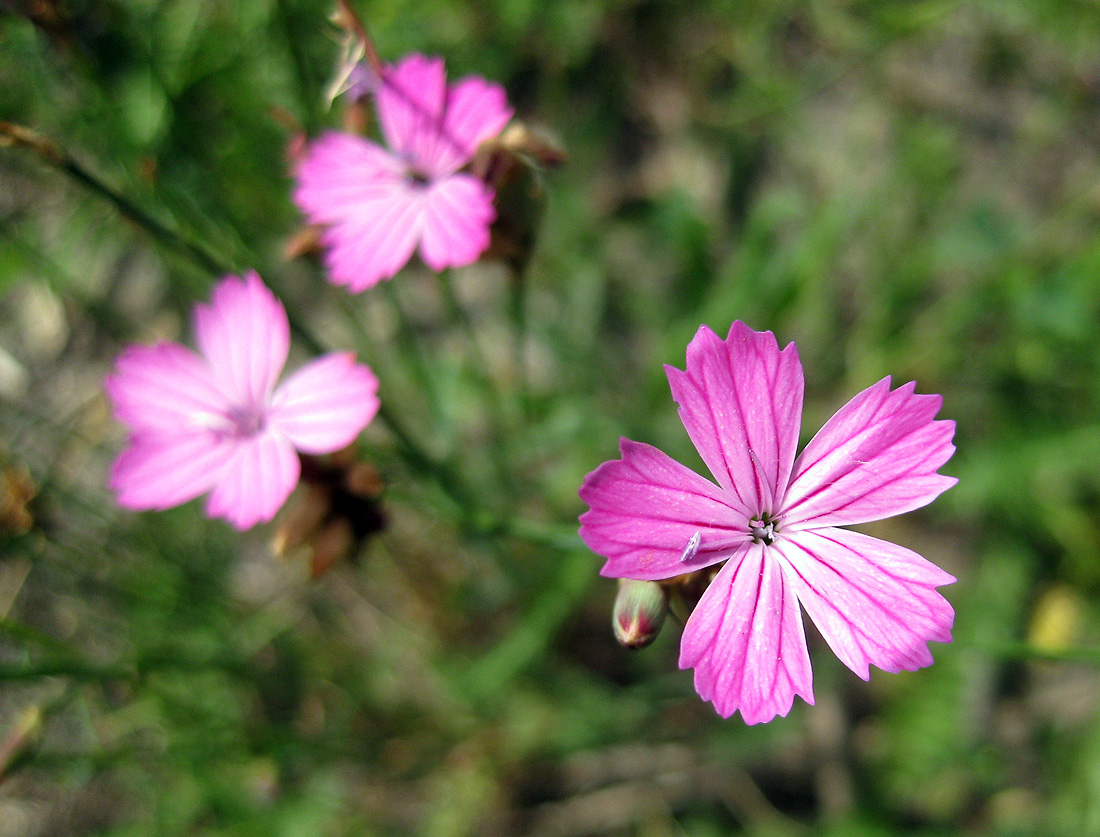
x,y
907,189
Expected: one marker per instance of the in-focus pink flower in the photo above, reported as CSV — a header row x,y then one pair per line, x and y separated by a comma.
x,y
378,205
772,519
216,421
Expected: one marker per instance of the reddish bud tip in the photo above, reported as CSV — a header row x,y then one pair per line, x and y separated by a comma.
x,y
639,612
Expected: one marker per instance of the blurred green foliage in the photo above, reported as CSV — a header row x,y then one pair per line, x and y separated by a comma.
x,y
907,189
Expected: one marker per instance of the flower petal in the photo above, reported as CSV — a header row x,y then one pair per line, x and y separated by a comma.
x,y
340,171
457,213
875,458
746,641
410,107
741,403
256,480
874,602
647,507
159,471
244,335
477,110
375,214
165,387
324,405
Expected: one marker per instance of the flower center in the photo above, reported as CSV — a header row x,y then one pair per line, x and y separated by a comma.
x,y
246,421
763,529
415,173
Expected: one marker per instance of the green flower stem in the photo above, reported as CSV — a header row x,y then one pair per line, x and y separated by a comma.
x,y
305,87
48,152
517,308
414,352
495,404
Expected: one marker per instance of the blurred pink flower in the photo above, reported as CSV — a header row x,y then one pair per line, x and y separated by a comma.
x,y
772,520
377,205
217,422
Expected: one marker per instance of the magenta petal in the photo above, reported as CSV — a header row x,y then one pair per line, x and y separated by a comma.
x,y
873,601
375,216
477,110
244,335
875,458
161,471
340,172
741,403
165,387
457,213
256,480
746,641
646,507
410,107
323,406
377,238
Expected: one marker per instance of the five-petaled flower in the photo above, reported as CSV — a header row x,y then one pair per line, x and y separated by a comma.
x,y
217,421
773,520
377,205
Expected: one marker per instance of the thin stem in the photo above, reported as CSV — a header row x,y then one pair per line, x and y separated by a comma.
x,y
48,152
517,292
486,381
412,349
307,93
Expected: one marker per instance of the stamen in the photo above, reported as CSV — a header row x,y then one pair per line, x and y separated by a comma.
x,y
762,530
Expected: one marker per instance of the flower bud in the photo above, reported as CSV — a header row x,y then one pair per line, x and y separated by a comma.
x,y
639,612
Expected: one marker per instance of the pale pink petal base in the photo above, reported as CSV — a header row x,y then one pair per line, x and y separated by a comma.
x,y
646,507
874,602
257,478
324,405
746,642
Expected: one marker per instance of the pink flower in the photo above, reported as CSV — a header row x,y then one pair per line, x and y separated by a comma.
x,y
772,519
217,422
379,205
